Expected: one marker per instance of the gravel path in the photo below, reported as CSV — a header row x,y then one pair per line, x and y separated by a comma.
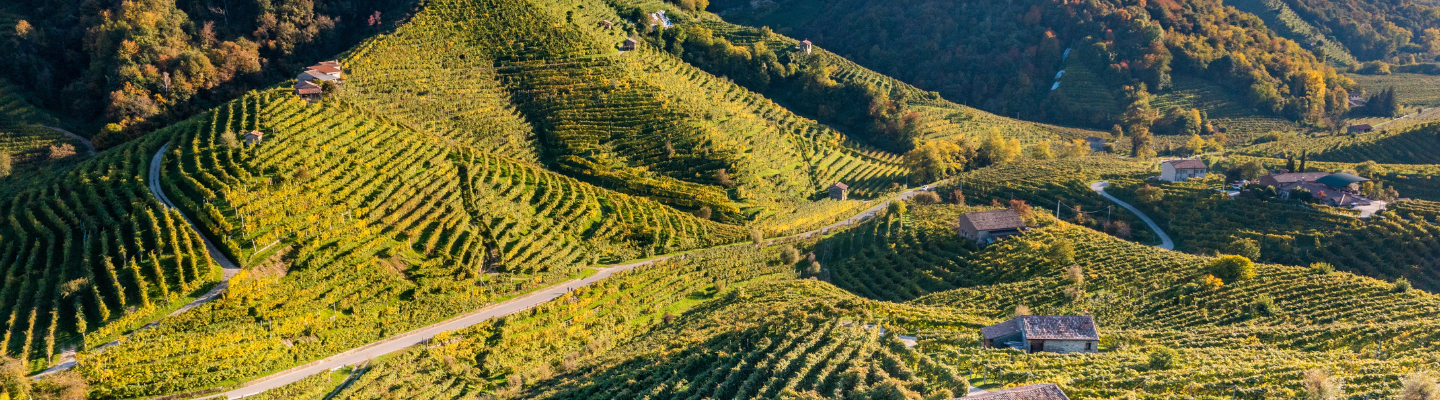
x,y
1165,242
82,139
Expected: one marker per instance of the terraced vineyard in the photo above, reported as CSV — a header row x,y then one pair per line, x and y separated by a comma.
x,y
1201,220
1410,89
375,227
23,135
90,254
1241,122
1411,145
1279,17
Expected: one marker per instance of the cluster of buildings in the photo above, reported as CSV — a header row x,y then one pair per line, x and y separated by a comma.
x,y
1337,189
307,84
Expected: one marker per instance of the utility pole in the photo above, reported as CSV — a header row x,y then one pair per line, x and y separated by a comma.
x,y
1057,209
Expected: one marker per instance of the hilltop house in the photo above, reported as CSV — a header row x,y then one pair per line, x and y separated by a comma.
x,y
628,44
805,46
1361,128
307,84
1048,333
1181,170
1039,391
839,191
331,68
985,227
254,137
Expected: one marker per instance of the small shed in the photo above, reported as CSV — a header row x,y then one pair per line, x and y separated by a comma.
x,y
1182,170
985,227
1361,128
839,191
1047,333
806,46
1039,391
607,24
628,44
254,137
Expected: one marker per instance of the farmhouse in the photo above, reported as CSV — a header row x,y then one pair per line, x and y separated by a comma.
x,y
1283,179
330,68
1339,189
1048,333
659,18
1361,128
988,226
254,137
1039,391
839,191
628,44
805,46
1181,170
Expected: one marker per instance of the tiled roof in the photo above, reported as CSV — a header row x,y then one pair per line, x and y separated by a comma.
x,y
325,68
1000,329
1276,179
1188,163
992,220
841,185
1058,327
1042,391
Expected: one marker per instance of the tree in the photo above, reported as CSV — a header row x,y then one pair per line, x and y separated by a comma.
x,y
996,149
1244,247
703,212
937,159
1162,358
1319,385
1233,268
1369,169
1149,194
62,151
228,140
895,208
1041,151
1322,268
790,255
1252,170
1061,252
756,236
1195,145
5,164
1075,274
1401,285
1021,310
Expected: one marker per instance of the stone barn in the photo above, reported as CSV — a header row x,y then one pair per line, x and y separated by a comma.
x,y
985,227
839,191
1047,333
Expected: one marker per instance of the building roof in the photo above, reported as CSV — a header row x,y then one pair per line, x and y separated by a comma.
x,y
308,91
1058,327
328,69
1188,163
1292,177
1041,391
992,220
1002,329
631,40
255,134
1339,180
310,75
841,185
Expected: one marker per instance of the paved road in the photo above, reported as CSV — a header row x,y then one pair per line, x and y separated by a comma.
x,y
396,343
82,139
1165,242
67,359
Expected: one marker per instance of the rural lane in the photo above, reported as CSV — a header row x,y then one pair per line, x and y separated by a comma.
x,y
421,335
82,139
1165,242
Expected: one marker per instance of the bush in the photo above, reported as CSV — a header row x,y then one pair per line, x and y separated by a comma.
x,y
1402,285
1319,385
1062,252
703,212
1265,306
1418,386
926,198
1244,247
895,208
789,255
1210,282
1163,358
1075,275
1322,268
1233,268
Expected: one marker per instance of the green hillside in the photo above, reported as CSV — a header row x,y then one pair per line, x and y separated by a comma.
x,y
1410,89
775,336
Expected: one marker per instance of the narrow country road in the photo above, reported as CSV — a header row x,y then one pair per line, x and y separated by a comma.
x,y
404,340
229,269
1165,242
82,139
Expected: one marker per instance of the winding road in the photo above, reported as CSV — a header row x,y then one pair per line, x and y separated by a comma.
x,y
404,340
82,139
1165,242
229,268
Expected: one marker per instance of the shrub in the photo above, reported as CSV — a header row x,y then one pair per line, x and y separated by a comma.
x,y
61,151
1402,285
1418,386
789,255
5,165
1075,275
1322,268
1062,252
1210,282
1163,358
1149,194
1244,247
1265,306
227,139
1233,268
1319,385
756,236
1021,310
895,208
926,198
703,212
